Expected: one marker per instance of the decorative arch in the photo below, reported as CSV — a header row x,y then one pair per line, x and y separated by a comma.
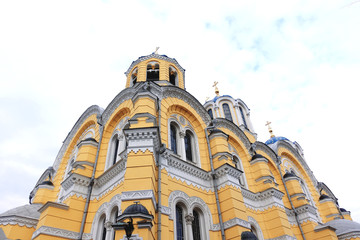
x,y
116,143
180,94
190,203
152,71
234,131
255,225
93,110
106,209
179,127
239,165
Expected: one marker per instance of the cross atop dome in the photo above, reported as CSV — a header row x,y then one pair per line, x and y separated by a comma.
x,y
270,129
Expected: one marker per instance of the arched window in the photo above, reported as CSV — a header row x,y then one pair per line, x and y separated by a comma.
x,y
172,75
179,223
210,113
116,149
196,230
101,233
173,138
227,111
115,146
243,117
188,140
113,216
238,164
182,140
152,71
134,76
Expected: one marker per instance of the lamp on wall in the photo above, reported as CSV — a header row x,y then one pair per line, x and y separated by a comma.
x,y
136,210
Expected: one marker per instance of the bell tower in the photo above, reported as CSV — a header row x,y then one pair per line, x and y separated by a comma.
x,y
156,68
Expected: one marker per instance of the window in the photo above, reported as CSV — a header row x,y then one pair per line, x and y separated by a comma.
x,y
173,138
182,140
227,111
243,117
113,216
196,226
116,150
116,146
188,140
179,223
172,75
152,71
101,233
210,113
238,164
134,76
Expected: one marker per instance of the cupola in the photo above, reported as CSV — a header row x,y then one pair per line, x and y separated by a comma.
x,y
156,68
233,110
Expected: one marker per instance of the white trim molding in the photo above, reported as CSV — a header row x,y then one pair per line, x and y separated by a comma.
x,y
57,232
263,200
19,220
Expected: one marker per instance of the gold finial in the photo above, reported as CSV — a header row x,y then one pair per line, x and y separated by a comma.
x,y
216,88
270,129
156,50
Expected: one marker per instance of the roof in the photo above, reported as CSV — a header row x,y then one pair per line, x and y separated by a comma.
x,y
135,210
217,97
275,139
344,226
28,211
156,56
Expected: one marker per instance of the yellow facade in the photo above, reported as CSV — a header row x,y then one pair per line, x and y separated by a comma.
x,y
178,169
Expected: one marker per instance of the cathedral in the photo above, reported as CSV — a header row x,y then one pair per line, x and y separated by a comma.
x,y
158,164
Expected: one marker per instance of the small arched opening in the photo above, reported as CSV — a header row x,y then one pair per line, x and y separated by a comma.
x,y
152,71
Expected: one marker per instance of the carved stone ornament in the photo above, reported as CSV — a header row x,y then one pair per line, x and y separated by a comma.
x,y
189,219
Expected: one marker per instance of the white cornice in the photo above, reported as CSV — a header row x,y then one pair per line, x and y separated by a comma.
x,y
57,232
263,200
18,220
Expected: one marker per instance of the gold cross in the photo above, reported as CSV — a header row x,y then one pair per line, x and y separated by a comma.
x,y
270,130
156,50
216,88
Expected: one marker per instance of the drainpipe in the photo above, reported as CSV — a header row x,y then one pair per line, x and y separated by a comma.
x,y
90,187
291,203
214,182
159,173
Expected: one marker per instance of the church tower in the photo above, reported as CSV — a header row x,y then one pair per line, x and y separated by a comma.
x,y
157,164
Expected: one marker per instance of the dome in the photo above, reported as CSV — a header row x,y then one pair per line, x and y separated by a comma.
x,y
275,139
28,211
247,235
344,226
135,210
217,97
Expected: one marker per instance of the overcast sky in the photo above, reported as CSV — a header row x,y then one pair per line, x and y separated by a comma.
x,y
294,63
